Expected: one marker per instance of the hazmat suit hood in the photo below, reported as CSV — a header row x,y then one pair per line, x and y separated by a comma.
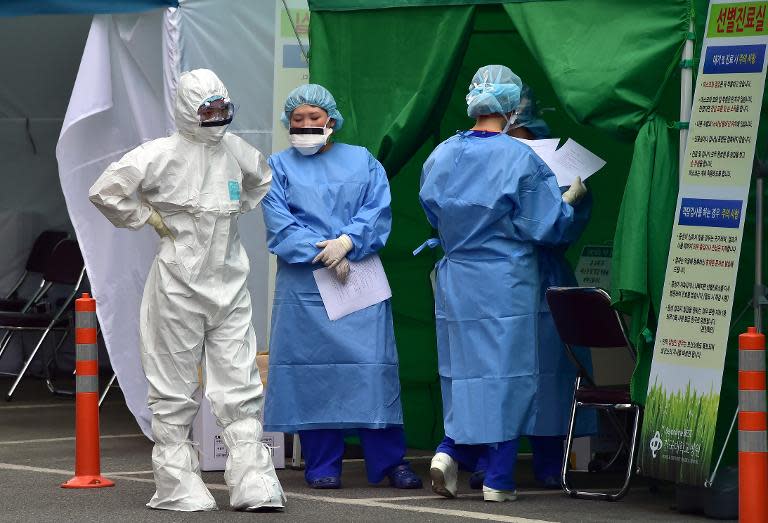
x,y
193,89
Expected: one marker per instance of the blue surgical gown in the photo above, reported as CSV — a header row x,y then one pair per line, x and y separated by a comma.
x,y
327,374
495,204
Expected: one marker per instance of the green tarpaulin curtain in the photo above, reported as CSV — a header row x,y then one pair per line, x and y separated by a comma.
x,y
609,69
394,91
607,61
642,238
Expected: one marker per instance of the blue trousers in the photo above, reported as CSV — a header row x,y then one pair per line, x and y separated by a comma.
x,y
323,449
548,456
501,460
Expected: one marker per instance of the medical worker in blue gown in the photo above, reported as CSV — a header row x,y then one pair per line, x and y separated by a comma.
x,y
494,203
557,373
329,204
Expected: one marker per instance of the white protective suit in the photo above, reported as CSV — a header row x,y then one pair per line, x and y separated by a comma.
x,y
196,308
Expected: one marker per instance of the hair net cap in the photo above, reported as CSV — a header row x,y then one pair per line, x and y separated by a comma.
x,y
528,115
494,89
311,94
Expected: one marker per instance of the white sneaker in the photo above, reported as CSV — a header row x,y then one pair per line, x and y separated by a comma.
x,y
491,494
444,472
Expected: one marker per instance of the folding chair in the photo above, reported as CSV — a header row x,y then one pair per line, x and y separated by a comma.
x,y
64,267
36,264
584,317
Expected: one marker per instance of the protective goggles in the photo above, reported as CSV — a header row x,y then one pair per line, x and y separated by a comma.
x,y
215,111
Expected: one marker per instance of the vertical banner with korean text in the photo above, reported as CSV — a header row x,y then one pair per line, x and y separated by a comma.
x,y
694,320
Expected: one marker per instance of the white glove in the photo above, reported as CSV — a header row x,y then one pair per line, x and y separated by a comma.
x,y
575,192
157,222
333,251
342,270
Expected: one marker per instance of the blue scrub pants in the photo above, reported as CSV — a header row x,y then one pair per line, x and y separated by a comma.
x,y
323,449
501,460
548,456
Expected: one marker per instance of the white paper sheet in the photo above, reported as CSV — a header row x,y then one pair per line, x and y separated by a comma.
x,y
367,285
572,160
545,146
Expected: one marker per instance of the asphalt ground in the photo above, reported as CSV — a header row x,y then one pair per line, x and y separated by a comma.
x,y
37,455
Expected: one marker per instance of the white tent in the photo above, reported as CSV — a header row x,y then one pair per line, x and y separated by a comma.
x,y
122,97
43,57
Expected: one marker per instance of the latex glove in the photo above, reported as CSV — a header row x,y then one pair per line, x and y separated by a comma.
x,y
333,251
157,222
342,270
575,192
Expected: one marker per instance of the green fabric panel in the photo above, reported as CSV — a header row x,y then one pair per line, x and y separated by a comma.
x,y
386,99
418,411
413,306
492,43
354,5
643,232
608,61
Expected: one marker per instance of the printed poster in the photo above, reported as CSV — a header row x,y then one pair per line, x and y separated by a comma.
x,y
689,352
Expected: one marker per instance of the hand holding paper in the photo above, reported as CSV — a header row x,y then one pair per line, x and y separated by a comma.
x,y
366,285
575,193
342,270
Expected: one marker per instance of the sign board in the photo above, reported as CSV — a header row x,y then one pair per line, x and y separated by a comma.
x,y
695,314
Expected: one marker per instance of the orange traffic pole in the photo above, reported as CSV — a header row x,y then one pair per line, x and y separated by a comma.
x,y
753,423
87,454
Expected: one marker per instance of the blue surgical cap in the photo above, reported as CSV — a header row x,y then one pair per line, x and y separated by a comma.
x,y
528,115
494,89
311,94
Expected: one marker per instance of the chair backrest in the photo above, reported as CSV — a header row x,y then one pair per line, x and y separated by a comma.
x,y
65,264
42,250
584,316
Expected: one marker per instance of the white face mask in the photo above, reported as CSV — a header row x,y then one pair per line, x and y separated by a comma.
x,y
309,140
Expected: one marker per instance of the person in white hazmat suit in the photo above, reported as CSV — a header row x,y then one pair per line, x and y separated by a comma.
x,y
196,309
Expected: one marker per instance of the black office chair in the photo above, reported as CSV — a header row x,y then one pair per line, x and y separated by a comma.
x,y
65,267
584,317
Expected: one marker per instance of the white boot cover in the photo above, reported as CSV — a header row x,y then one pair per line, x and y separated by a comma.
x,y
250,474
177,471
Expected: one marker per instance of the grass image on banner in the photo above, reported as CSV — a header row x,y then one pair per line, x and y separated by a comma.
x,y
678,433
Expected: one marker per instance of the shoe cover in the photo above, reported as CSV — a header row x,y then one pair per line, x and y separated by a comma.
x,y
177,471
499,496
250,474
444,473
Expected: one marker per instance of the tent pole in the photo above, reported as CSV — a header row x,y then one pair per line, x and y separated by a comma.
x,y
686,97
759,298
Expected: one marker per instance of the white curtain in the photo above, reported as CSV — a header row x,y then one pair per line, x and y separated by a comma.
x,y
118,102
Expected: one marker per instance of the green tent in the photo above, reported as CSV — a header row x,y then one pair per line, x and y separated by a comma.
x,y
609,71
